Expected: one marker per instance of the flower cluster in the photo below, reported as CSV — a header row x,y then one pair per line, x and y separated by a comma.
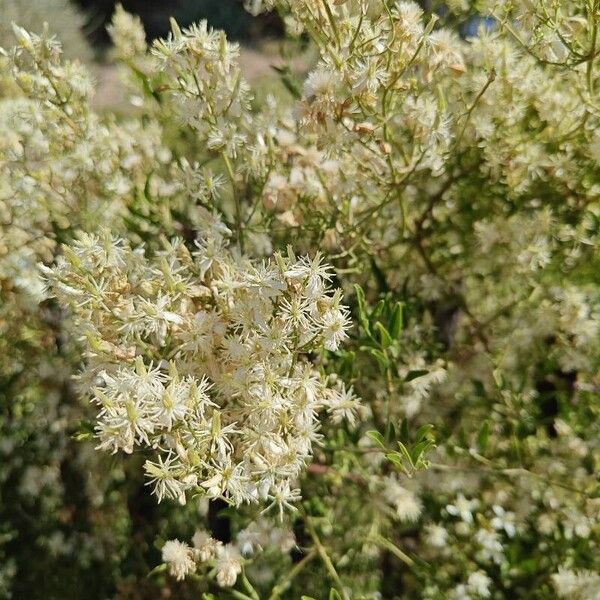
x,y
441,178
202,356
60,165
227,559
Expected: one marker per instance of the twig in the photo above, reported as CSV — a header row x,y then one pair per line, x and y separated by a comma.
x,y
325,558
285,583
490,79
391,547
238,208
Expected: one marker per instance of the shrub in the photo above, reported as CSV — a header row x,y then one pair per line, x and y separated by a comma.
x,y
406,410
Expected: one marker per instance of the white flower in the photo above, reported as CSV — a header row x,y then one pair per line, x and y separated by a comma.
x,y
335,323
228,565
283,496
166,478
477,586
491,548
463,508
504,520
479,583
437,536
406,504
249,540
313,273
178,556
321,83
205,547
342,404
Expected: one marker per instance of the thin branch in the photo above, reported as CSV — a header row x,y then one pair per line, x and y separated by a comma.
x,y
325,558
286,582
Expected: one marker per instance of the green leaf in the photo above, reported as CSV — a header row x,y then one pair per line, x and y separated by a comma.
x,y
430,25
334,594
143,78
593,222
85,431
395,457
148,189
384,337
418,450
360,298
157,570
378,310
82,436
415,374
529,565
498,378
404,432
425,432
483,437
390,431
363,317
405,452
379,276
397,320
380,357
479,388
376,437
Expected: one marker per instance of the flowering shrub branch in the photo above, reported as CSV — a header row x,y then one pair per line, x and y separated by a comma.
x,y
351,330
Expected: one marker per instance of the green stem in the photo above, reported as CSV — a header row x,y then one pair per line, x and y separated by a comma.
x,y
592,53
240,595
238,209
249,587
391,547
331,18
325,558
490,78
285,583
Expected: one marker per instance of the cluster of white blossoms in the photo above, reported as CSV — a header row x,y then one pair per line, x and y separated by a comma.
x,y
407,505
225,561
64,19
182,560
451,181
580,585
473,165
200,68
194,76
202,357
477,586
61,166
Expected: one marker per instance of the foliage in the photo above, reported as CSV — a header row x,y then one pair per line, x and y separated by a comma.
x,y
416,397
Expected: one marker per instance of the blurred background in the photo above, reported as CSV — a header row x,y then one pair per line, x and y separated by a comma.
x,y
81,25
228,15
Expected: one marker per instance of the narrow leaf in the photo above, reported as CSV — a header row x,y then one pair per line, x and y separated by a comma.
x,y
376,437
397,321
